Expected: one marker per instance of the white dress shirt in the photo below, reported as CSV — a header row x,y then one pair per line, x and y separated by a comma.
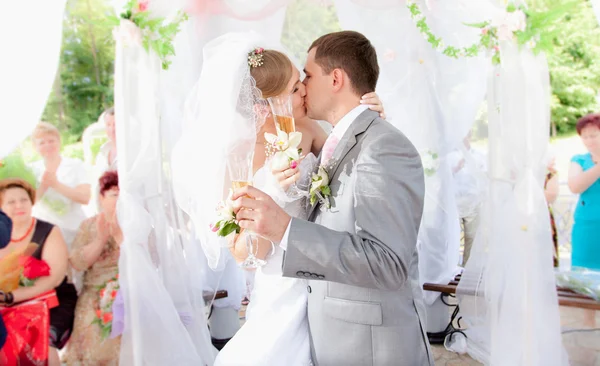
x,y
338,131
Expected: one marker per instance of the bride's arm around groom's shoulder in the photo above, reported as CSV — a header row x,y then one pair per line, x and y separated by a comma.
x,y
387,190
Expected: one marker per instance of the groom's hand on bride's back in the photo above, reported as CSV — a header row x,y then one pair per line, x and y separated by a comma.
x,y
256,211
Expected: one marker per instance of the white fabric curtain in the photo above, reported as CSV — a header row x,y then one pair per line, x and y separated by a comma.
x,y
596,7
507,293
164,310
162,270
176,84
28,65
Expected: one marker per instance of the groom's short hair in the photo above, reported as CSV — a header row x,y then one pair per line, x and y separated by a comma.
x,y
352,52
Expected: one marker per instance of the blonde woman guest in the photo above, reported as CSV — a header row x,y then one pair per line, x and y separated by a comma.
x,y
63,188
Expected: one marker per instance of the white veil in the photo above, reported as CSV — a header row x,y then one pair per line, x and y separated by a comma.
x,y
220,119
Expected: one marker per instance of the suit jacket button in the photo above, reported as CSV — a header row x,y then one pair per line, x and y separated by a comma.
x,y
321,277
314,275
309,289
306,274
299,273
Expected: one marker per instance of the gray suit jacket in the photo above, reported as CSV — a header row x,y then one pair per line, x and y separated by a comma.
x,y
365,304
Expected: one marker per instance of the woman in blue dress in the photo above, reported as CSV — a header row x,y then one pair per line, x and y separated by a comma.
x,y
584,179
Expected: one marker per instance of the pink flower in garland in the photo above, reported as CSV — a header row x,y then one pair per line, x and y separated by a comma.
x,y
142,6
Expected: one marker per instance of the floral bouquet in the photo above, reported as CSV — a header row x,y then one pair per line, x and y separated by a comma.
x,y
33,269
104,314
19,270
226,222
11,272
284,148
430,162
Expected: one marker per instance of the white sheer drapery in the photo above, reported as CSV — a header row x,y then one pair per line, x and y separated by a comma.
x,y
176,84
596,7
164,312
507,292
28,65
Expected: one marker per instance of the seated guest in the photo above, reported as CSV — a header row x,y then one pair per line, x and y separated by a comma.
x,y
63,187
95,252
5,230
584,179
46,243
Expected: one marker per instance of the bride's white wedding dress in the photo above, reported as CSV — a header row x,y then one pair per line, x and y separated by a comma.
x,y
276,328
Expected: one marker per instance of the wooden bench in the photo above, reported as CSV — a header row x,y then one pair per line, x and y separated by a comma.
x,y
566,297
208,296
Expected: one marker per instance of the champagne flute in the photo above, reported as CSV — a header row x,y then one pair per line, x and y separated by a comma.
x,y
282,113
239,165
284,121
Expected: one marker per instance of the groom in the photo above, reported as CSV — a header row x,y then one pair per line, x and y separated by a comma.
x,y
365,305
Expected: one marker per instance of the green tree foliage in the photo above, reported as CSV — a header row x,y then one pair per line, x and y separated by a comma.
x,y
307,20
84,84
574,64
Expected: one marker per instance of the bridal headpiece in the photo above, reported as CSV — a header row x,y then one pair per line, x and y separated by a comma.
x,y
255,57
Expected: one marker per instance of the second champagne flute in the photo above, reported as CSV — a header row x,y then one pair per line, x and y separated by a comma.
x,y
239,165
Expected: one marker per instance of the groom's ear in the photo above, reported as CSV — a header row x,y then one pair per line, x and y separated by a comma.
x,y
338,79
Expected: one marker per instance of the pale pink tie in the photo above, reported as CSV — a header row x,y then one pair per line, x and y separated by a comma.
x,y
329,148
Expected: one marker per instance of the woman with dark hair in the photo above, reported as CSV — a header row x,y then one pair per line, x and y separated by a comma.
x,y
95,252
584,179
43,241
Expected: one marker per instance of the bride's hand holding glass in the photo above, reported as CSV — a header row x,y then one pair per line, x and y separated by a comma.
x,y
286,176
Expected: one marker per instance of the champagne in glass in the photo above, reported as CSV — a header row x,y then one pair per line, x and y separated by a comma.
x,y
239,164
237,184
284,123
282,113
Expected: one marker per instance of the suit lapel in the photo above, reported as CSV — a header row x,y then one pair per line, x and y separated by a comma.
x,y
358,126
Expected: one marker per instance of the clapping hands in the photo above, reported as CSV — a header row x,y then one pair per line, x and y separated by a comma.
x,y
107,227
49,179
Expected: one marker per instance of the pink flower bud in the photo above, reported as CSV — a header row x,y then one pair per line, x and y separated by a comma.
x,y
142,6
294,164
213,228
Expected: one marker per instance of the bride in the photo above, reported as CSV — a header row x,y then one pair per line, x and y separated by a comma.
x,y
227,110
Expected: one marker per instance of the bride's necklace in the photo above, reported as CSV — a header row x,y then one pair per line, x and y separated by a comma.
x,y
26,234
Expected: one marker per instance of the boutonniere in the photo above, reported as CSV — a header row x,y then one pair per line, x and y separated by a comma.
x,y
226,222
430,162
319,188
284,148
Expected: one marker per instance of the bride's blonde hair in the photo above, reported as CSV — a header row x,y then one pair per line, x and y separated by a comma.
x,y
273,74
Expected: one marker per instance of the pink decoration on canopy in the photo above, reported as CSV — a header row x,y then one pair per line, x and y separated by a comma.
x,y
220,7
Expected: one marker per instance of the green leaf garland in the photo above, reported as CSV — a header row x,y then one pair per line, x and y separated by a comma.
x,y
538,33
157,35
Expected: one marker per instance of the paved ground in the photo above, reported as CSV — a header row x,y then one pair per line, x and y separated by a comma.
x,y
581,338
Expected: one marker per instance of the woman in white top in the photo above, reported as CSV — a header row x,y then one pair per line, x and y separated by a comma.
x,y
107,156
106,160
63,187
